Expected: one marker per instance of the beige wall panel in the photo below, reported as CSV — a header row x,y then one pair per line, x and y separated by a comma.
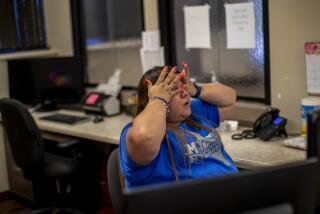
x,y
58,26
292,23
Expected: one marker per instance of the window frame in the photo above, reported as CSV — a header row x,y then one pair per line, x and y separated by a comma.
x,y
167,33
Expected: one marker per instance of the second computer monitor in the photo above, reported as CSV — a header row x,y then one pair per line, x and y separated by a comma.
x,y
283,189
47,80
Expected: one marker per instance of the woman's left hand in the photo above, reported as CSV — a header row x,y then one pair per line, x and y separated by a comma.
x,y
189,87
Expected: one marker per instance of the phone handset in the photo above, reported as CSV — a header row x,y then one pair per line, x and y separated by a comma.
x,y
265,118
269,124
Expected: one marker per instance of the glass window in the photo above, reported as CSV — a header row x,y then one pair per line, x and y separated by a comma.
x,y
112,20
246,70
113,38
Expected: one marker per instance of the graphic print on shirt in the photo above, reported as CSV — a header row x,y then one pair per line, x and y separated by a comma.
x,y
206,147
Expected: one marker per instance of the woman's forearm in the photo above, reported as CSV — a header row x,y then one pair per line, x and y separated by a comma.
x,y
147,132
218,94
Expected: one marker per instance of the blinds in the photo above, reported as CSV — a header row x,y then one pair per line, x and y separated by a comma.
x,y
21,25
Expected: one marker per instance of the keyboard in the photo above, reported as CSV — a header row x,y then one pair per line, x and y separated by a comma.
x,y
65,118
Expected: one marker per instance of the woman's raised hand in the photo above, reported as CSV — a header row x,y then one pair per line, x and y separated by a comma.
x,y
189,87
166,85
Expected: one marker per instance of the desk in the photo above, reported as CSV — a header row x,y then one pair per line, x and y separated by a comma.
x,y
107,131
255,153
248,154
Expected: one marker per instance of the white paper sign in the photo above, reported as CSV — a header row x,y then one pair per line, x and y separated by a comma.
x,y
312,50
149,59
240,21
197,26
313,73
151,40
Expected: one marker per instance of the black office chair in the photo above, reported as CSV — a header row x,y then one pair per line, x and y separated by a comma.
x,y
115,181
38,166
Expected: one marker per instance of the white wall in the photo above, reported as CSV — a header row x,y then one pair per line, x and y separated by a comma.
x,y
58,26
292,23
150,8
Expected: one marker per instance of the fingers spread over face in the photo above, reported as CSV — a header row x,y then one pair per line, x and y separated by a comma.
x,y
171,75
162,75
175,82
185,68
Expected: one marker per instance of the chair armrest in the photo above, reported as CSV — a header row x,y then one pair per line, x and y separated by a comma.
x,y
68,143
61,140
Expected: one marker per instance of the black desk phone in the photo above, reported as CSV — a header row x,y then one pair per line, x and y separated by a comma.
x,y
269,124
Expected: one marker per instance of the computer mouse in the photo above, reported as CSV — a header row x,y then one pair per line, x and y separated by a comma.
x,y
98,118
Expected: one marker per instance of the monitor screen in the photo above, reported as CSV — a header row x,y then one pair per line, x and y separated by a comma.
x,y
282,189
46,80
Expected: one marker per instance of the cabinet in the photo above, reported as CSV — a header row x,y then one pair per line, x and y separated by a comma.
x,y
17,183
4,186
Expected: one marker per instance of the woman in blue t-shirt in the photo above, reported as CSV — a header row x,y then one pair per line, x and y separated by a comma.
x,y
174,137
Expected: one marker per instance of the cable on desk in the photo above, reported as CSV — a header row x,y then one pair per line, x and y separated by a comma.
x,y
245,134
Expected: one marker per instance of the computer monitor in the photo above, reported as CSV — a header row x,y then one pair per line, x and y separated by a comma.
x,y
50,81
313,134
281,189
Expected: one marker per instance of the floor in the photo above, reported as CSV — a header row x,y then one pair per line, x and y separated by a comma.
x,y
12,207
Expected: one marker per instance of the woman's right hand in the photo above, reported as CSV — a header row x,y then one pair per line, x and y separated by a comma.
x,y
166,86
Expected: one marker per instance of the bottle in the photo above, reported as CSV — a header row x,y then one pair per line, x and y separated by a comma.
x,y
308,104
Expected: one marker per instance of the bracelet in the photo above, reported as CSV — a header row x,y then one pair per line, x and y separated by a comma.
x,y
163,101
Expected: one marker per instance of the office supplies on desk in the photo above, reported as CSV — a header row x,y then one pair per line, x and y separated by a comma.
x,y
128,101
66,118
269,124
245,134
297,142
308,104
98,119
99,103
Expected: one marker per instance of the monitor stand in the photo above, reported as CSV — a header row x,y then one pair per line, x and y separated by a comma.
x,y
45,106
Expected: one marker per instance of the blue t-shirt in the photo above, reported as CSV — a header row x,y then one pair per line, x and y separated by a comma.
x,y
201,154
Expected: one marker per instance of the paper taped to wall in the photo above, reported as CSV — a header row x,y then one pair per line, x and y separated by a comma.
x,y
312,50
151,40
197,26
150,59
240,25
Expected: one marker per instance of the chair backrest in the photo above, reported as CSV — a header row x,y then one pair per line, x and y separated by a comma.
x,y
114,181
23,135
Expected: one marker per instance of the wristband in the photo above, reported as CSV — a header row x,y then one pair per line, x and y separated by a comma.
x,y
163,101
198,89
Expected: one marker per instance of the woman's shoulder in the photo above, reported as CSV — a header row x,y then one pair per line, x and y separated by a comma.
x,y
125,131
126,127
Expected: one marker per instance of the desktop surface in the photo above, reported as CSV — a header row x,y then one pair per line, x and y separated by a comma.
x,y
248,154
106,131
